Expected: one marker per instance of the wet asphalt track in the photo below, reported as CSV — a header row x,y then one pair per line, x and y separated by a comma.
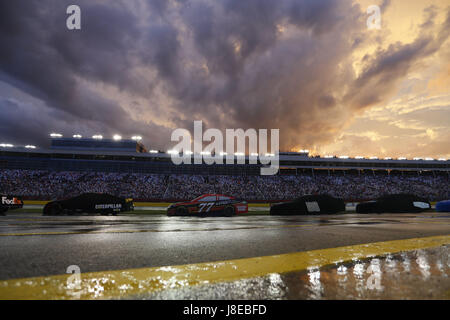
x,y
32,245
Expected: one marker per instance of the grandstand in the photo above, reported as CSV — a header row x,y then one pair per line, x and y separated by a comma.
x,y
125,168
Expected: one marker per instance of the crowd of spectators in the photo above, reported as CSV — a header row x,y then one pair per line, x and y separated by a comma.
x,y
47,185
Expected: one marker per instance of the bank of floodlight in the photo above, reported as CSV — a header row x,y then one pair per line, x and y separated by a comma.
x,y
56,135
97,137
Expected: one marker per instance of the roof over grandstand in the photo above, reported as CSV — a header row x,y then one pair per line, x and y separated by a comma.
x,y
97,144
99,156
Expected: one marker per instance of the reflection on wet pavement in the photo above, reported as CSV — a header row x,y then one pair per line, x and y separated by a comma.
x,y
420,274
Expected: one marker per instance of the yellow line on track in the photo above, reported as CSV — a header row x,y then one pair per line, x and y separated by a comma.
x,y
133,282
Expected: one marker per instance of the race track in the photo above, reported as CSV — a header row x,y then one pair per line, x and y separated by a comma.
x,y
35,246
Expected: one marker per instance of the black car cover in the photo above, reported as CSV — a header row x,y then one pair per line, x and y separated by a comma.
x,y
309,204
394,203
89,203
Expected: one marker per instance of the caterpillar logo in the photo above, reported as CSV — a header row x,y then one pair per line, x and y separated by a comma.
x,y
108,206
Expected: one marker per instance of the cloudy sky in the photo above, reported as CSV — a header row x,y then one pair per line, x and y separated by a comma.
x,y
313,69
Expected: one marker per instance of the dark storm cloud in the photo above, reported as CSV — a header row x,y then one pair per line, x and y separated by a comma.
x,y
41,57
232,63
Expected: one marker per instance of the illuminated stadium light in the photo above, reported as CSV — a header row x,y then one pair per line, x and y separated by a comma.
x,y
117,137
442,159
173,152
188,152
387,158
29,146
77,136
343,157
6,145
205,153
97,136
238,154
359,157
153,151
56,135
223,153
270,155
328,157
253,154
304,151
417,159
373,158
136,138
429,159
401,158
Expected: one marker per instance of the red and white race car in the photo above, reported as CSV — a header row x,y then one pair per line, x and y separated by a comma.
x,y
213,205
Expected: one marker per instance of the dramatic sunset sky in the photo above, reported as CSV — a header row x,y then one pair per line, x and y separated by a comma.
x,y
310,68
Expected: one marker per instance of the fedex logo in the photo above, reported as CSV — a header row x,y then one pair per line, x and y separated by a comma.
x,y
10,201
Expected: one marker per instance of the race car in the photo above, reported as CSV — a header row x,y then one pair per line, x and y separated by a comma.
x,y
209,205
394,203
309,204
9,203
443,206
89,203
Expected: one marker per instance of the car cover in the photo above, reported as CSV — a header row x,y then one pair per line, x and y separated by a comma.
x,y
395,203
443,206
309,204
